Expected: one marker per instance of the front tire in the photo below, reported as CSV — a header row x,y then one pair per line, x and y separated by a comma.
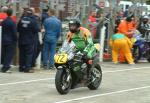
x,y
96,77
63,81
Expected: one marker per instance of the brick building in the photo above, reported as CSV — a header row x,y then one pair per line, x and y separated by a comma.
x,y
35,4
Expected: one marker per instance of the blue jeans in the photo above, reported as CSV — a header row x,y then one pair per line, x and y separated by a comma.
x,y
49,50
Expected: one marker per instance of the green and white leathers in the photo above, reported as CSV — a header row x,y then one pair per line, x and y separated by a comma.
x,y
83,41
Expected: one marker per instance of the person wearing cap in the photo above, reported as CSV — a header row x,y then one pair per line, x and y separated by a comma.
x,y
9,39
27,28
52,27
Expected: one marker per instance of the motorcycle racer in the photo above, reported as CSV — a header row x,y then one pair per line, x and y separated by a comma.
x,y
81,37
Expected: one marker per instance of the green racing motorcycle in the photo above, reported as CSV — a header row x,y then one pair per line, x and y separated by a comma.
x,y
73,71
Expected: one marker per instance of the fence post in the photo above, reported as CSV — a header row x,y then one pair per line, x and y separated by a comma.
x,y
38,61
102,39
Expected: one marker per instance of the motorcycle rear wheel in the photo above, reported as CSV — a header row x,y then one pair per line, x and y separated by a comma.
x,y
63,81
96,77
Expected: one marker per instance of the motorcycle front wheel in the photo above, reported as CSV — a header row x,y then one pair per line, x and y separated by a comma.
x,y
96,77
63,81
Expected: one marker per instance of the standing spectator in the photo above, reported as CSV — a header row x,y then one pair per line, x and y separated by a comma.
x,y
52,27
44,14
9,39
36,38
3,14
93,24
45,8
27,28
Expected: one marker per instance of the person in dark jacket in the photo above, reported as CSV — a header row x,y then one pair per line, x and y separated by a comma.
x,y
37,45
9,39
27,28
44,15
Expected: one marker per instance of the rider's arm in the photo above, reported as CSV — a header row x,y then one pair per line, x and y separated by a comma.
x,y
90,44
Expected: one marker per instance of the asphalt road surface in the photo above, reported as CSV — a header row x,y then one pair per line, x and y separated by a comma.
x,y
121,83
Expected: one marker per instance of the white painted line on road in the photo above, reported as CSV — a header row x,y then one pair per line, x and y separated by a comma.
x,y
47,73
36,80
104,94
113,71
131,69
21,82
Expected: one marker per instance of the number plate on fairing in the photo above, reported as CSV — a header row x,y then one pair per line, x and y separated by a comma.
x,y
61,58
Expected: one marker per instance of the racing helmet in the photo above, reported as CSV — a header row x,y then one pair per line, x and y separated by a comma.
x,y
145,19
74,22
74,25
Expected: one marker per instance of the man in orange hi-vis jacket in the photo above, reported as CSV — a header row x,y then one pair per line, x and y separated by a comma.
x,y
132,25
125,27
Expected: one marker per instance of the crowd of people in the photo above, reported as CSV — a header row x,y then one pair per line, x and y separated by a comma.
x,y
126,25
24,33
121,42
